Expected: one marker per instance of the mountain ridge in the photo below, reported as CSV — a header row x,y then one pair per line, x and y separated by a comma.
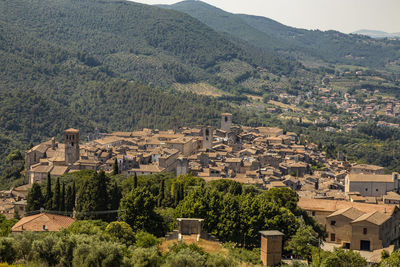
x,y
332,47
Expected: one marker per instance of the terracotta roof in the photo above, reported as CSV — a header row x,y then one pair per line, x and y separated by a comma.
x,y
43,222
233,160
71,130
123,134
367,167
334,205
381,178
59,170
375,217
42,169
147,168
350,212
392,196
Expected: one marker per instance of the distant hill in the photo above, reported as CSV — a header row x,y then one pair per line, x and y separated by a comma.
x,y
112,65
378,34
329,46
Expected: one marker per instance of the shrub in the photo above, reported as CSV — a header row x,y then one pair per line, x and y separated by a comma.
x,y
146,240
7,251
145,257
122,232
185,257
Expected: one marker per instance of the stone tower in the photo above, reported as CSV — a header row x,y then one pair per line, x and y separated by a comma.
x,y
226,121
182,166
271,247
71,140
207,137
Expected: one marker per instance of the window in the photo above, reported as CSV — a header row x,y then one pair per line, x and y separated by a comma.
x,y
365,231
366,189
226,119
333,222
313,213
377,190
333,237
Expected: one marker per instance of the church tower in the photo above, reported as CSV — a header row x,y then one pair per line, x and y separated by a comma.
x,y
226,121
207,137
71,140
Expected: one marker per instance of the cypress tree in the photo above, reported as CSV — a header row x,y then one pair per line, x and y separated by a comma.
x,y
102,194
176,194
57,196
135,181
73,194
48,198
182,193
35,200
62,204
115,197
115,167
161,193
69,199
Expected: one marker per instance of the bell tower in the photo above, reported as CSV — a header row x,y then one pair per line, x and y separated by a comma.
x,y
226,121
207,137
71,140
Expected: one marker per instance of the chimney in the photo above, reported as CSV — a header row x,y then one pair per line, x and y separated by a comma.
x,y
395,176
53,143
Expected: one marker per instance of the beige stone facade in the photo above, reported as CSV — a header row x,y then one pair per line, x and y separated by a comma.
x,y
357,226
371,185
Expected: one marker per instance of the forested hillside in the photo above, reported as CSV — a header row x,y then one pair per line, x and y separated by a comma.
x,y
329,46
111,65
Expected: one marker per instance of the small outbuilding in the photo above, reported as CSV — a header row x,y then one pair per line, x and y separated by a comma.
x,y
271,247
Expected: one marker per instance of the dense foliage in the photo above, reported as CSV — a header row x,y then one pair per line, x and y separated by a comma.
x,y
330,46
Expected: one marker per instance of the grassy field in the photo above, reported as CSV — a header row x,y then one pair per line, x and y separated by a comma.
x,y
200,89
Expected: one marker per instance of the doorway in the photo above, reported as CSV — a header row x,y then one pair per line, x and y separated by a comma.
x,y
365,245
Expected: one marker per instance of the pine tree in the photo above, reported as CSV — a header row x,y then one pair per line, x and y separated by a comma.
x,y
57,196
135,181
115,167
48,198
62,204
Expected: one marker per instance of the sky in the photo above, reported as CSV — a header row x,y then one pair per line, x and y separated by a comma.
x,y
342,15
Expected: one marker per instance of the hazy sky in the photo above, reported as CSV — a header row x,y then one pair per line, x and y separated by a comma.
x,y
342,15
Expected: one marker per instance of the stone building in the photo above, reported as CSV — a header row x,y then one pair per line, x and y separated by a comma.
x,y
271,247
371,185
226,121
71,142
354,225
208,137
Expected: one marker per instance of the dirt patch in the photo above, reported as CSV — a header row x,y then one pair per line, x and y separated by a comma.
x,y
208,246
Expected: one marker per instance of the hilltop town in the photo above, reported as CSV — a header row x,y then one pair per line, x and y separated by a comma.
x,y
345,198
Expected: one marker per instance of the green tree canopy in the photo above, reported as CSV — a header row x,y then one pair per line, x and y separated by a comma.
x,y
137,209
35,199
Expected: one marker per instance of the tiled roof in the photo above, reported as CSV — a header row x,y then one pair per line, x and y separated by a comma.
x,y
350,212
375,217
370,178
334,205
43,222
